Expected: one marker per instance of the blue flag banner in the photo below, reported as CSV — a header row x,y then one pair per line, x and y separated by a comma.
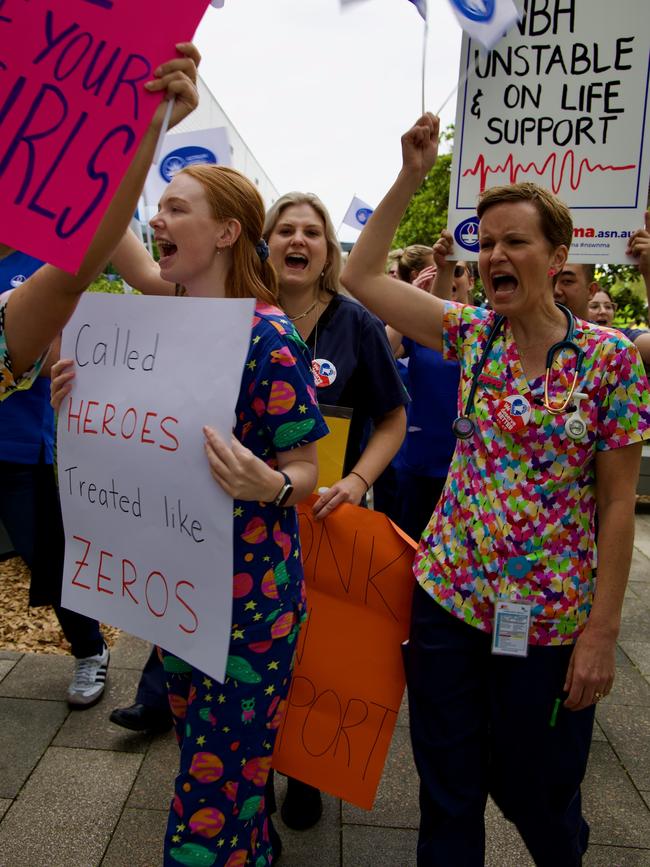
x,y
484,20
421,6
358,214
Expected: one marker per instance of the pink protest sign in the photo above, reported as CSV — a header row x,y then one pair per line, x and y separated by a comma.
x,y
73,110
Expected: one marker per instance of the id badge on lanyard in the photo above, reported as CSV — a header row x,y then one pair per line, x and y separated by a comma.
x,y
511,628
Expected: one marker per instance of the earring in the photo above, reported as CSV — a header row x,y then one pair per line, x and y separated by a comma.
x,y
552,272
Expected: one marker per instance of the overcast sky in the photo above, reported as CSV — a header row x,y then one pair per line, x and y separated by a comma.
x,y
321,96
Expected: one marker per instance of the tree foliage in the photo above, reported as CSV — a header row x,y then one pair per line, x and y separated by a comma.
x,y
426,214
627,288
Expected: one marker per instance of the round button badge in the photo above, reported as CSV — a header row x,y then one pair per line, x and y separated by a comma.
x,y
324,372
512,413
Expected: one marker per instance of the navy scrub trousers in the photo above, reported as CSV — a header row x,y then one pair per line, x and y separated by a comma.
x,y
481,724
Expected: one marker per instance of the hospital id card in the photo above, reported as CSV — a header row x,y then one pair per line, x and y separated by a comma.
x,y
511,628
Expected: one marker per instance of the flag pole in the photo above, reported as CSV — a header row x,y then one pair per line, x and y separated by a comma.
x,y
425,37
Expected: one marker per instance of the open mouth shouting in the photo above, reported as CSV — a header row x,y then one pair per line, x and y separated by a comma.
x,y
296,261
166,249
504,285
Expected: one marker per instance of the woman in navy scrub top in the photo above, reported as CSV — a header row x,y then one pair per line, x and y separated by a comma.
x,y
352,360
353,367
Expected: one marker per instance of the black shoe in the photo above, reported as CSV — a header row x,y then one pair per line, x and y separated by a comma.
x,y
142,718
302,806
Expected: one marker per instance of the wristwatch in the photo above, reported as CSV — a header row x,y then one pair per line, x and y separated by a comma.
x,y
285,491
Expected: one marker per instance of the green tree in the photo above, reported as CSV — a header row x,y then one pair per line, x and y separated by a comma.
x,y
426,214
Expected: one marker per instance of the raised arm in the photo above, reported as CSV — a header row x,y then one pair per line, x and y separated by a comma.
x,y
408,310
37,311
132,261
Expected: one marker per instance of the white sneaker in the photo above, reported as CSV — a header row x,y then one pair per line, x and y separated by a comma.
x,y
89,679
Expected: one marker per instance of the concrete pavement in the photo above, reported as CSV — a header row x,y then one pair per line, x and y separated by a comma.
x,y
76,791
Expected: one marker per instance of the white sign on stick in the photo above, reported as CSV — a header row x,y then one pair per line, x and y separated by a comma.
x,y
181,149
562,100
148,530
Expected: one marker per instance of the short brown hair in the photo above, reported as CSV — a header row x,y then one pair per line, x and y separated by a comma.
x,y
232,196
554,215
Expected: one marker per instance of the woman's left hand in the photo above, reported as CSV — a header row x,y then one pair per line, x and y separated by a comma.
x,y
241,474
590,676
350,489
177,79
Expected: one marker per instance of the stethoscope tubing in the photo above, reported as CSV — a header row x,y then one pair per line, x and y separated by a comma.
x,y
463,426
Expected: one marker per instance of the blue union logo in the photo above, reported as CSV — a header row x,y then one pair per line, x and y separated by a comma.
x,y
476,10
363,215
466,234
185,156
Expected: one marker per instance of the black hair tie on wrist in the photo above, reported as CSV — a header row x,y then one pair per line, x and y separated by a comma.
x,y
262,250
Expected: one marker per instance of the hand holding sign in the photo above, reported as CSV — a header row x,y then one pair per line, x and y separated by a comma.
x,y
40,307
172,79
241,474
639,247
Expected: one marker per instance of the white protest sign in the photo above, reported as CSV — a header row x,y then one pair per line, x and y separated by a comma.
x,y
562,101
181,149
148,530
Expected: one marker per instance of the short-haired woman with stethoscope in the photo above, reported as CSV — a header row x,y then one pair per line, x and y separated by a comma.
x,y
512,643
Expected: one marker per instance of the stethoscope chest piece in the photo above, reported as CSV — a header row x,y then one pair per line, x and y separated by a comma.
x,y
462,427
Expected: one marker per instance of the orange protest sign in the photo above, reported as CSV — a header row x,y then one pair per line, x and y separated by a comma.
x,y
348,681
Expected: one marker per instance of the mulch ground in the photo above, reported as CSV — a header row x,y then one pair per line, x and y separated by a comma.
x,y
26,629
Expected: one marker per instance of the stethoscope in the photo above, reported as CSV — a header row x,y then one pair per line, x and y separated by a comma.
x,y
576,427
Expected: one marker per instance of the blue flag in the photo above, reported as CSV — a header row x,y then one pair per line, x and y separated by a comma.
x,y
421,6
485,20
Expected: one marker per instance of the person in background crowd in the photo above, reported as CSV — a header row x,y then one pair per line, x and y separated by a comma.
x,y
433,386
414,259
392,262
414,264
353,368
602,307
208,229
510,632
31,512
577,289
36,311
574,286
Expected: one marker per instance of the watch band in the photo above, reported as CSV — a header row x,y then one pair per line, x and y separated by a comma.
x,y
285,491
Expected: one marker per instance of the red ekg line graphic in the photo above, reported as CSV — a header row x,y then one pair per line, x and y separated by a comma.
x,y
557,167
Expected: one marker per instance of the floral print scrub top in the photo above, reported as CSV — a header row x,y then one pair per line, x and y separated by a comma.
x,y
516,518
276,411
8,383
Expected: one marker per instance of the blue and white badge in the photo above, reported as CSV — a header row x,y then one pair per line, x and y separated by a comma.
x,y
511,628
18,280
324,372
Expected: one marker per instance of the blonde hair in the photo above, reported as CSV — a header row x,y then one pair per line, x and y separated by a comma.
x,y
330,279
413,258
231,195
